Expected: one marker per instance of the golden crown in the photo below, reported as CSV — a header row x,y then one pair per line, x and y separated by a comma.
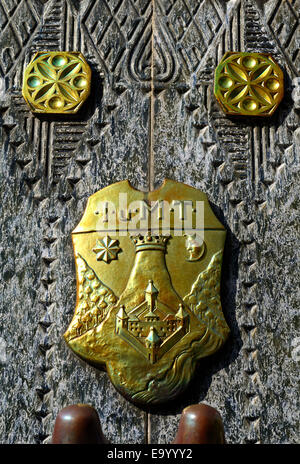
x,y
148,241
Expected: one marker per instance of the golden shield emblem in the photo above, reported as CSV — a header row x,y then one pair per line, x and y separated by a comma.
x,y
148,270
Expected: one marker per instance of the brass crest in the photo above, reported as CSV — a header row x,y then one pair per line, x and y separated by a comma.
x,y
148,287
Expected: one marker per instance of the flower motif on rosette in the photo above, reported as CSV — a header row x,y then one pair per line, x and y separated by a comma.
x,y
56,82
249,84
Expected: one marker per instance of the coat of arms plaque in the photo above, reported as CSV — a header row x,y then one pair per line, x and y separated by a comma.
x,y
148,287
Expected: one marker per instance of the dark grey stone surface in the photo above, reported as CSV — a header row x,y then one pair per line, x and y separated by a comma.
x,y
151,115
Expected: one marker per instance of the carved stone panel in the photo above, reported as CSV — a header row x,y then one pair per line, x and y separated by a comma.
x,y
151,115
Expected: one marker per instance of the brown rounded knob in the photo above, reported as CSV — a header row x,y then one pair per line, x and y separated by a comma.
x,y
78,424
200,424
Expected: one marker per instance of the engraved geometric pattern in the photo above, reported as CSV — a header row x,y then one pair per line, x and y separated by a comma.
x,y
284,22
14,40
56,82
248,84
193,26
106,249
111,24
247,167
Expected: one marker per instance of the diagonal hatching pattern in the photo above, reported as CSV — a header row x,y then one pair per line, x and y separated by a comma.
x,y
193,26
19,21
284,22
235,141
112,25
256,36
50,34
66,139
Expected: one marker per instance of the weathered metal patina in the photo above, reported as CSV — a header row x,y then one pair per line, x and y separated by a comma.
x,y
56,82
248,84
148,295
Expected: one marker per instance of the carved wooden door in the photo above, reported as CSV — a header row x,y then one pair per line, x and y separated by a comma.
x,y
151,115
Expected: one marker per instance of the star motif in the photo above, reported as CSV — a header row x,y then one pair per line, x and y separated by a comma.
x,y
106,249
